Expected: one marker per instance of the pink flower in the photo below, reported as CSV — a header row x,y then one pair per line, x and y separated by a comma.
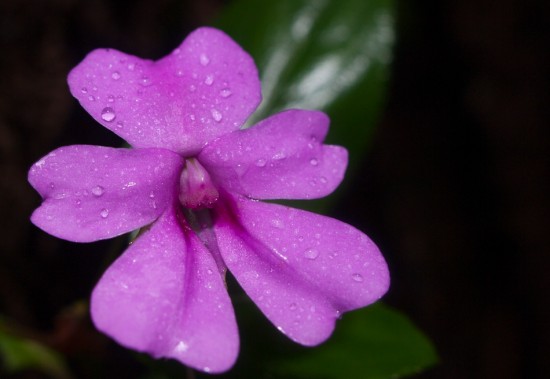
x,y
193,181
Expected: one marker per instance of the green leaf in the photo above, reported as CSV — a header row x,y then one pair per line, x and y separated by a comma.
x,y
330,55
373,343
18,354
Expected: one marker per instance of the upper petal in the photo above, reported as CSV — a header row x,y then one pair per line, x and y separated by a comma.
x,y
301,269
165,296
282,157
207,87
94,192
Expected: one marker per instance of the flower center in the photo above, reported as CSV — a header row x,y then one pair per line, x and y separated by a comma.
x,y
196,188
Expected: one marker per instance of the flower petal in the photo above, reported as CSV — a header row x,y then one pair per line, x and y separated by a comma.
x,y
206,88
282,157
165,296
301,269
93,192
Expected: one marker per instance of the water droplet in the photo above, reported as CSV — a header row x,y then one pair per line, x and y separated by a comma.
x,y
91,98
145,81
192,117
293,306
152,195
216,115
357,277
314,162
115,75
226,92
98,191
60,195
110,98
179,73
311,254
131,66
104,213
276,223
84,90
181,347
78,201
108,114
192,88
323,180
204,60
260,162
278,156
120,124
209,79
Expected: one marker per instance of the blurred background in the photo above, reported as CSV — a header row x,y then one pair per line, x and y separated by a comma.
x,y
453,187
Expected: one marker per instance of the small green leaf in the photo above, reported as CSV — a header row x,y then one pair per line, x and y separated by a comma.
x,y
373,343
18,354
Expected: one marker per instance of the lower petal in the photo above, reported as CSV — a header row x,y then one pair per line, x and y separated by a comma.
x,y
164,296
301,269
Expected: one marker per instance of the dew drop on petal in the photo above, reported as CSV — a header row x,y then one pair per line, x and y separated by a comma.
x,y
91,98
314,162
98,191
226,92
108,114
145,81
278,156
260,162
323,180
357,277
131,66
204,59
110,99
209,79
192,88
115,75
104,213
120,124
84,90
216,115
311,254
276,223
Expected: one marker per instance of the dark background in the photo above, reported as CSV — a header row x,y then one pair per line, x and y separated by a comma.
x,y
454,189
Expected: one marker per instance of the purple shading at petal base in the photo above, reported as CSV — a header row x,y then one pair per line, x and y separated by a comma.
x,y
205,88
92,192
301,269
165,296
